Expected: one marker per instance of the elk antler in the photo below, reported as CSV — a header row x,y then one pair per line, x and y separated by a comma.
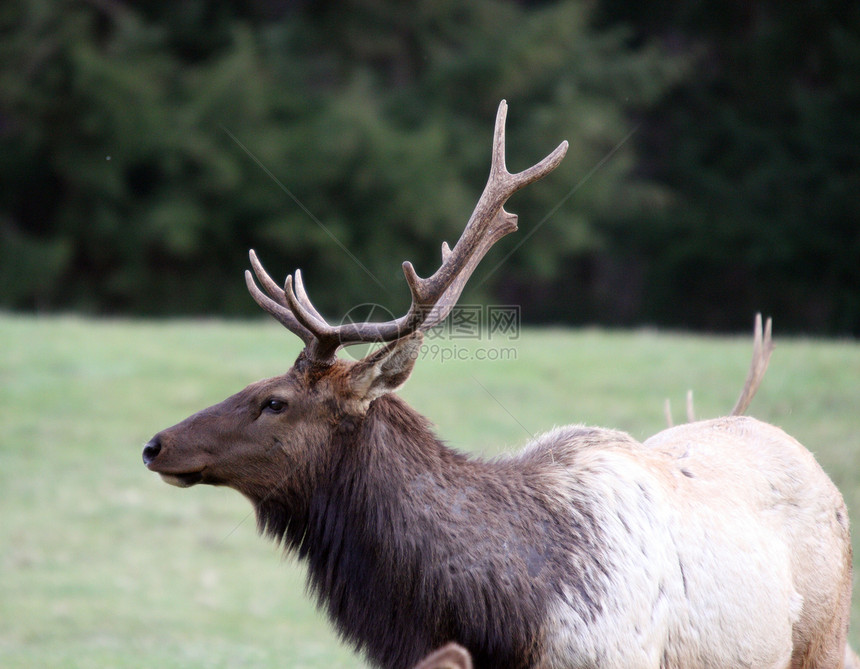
x,y
433,298
762,349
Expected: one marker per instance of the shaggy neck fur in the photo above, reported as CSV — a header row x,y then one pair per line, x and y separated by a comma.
x,y
410,545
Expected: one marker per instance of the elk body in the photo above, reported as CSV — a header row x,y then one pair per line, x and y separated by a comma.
x,y
711,545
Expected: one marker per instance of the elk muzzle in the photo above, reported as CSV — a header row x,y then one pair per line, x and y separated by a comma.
x,y
180,479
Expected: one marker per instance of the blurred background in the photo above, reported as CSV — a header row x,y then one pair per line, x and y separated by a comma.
x,y
713,170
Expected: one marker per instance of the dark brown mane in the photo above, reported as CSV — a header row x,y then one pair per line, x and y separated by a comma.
x,y
401,544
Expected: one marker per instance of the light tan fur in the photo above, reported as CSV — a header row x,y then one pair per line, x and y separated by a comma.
x,y
451,656
727,543
812,510
750,473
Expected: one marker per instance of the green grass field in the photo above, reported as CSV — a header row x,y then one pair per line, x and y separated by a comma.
x,y
102,565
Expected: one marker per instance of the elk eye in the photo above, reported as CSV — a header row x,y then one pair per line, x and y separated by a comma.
x,y
275,406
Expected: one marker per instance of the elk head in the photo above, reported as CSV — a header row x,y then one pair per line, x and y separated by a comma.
x,y
277,434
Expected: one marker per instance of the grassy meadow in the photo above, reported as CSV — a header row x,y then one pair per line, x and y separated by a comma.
x,y
102,565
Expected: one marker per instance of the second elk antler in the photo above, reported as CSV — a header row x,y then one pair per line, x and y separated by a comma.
x,y
762,350
433,297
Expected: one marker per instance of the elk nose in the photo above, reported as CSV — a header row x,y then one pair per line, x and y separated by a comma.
x,y
151,450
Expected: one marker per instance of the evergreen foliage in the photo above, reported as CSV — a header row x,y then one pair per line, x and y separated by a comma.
x,y
760,149
148,145
712,172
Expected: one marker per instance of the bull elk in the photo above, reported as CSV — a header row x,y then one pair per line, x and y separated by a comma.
x,y
713,544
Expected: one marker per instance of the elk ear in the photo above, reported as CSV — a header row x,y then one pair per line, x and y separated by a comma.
x,y
385,370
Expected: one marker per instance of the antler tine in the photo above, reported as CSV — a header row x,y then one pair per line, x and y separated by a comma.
x,y
303,298
433,297
268,283
762,350
277,306
691,413
497,159
327,339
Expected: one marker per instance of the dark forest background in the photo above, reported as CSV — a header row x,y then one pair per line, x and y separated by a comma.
x,y
714,167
